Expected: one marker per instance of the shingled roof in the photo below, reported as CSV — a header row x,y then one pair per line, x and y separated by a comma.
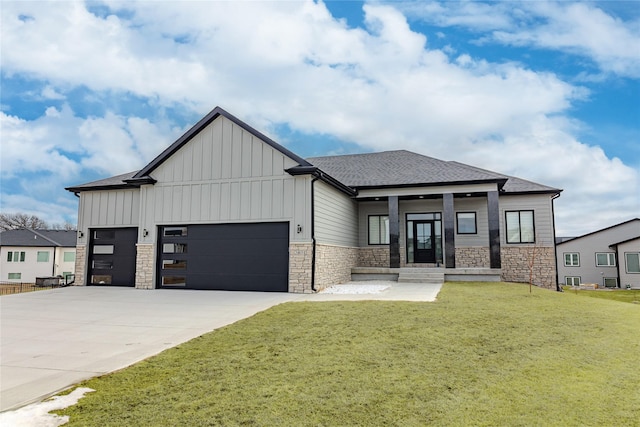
x,y
38,238
111,183
381,170
404,168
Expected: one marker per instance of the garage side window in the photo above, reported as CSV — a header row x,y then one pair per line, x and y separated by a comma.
x,y
378,230
43,256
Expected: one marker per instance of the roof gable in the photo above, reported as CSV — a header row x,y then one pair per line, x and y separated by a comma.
x,y
204,122
602,230
137,178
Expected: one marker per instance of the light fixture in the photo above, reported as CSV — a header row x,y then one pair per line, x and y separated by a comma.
x,y
145,232
80,234
299,229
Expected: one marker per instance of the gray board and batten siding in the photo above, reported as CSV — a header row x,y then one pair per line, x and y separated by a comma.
x,y
226,174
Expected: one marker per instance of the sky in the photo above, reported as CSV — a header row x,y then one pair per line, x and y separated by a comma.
x,y
548,91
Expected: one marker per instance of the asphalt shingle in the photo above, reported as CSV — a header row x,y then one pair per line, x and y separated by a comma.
x,y
39,238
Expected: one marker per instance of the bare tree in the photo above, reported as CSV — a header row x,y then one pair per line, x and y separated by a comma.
x,y
20,220
66,226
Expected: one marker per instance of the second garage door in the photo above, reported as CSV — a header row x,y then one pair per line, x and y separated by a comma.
x,y
241,257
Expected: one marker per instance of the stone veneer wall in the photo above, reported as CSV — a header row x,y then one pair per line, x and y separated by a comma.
x,y
473,257
144,266
333,264
81,256
515,266
373,256
300,255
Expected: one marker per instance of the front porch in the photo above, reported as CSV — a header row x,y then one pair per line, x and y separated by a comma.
x,y
426,275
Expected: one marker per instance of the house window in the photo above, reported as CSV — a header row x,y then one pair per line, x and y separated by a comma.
x,y
572,259
572,280
632,262
14,276
69,256
378,230
610,282
66,274
606,259
43,256
520,228
15,256
466,222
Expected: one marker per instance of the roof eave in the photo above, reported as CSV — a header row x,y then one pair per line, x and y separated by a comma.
x,y
500,183
137,182
323,176
77,190
523,193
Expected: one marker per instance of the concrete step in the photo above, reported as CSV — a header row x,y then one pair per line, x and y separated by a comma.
x,y
414,275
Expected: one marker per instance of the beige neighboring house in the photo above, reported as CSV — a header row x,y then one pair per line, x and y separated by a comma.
x,y
609,257
225,207
27,254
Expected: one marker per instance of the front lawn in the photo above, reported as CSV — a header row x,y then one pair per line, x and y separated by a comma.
x,y
483,354
623,295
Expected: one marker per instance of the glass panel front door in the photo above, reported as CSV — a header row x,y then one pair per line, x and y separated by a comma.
x,y
424,241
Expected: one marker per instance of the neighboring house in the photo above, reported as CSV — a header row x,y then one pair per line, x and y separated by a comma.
x,y
225,207
609,257
27,254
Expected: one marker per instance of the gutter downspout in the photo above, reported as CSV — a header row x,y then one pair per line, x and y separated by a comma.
x,y
555,251
313,234
53,269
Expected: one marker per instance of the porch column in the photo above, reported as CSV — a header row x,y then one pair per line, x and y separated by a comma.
x,y
449,231
493,211
394,233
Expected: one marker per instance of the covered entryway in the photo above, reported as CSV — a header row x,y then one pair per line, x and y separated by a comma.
x,y
112,256
238,257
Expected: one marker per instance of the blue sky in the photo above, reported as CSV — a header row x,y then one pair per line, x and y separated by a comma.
x,y
548,91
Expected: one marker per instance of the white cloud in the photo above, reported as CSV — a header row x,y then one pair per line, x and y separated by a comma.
x,y
579,28
273,63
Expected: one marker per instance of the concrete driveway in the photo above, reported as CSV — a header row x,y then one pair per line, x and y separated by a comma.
x,y
50,340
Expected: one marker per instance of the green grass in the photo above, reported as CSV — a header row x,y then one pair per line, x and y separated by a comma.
x,y
622,295
483,354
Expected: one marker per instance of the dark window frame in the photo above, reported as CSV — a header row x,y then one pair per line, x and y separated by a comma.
x,y
380,222
533,223
475,223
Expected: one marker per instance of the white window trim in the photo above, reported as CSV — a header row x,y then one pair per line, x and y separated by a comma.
x,y
571,264
610,256
572,277
626,262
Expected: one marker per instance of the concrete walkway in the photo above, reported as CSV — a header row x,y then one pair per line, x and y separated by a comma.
x,y
50,340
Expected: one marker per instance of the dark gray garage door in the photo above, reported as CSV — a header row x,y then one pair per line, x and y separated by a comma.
x,y
112,256
239,257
